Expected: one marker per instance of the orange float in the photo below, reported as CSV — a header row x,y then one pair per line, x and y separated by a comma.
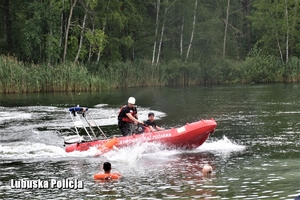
x,y
104,176
109,145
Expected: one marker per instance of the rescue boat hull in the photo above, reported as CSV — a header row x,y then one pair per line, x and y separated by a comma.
x,y
189,136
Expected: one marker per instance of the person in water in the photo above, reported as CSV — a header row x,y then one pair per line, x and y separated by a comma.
x,y
128,117
107,175
207,171
151,124
107,169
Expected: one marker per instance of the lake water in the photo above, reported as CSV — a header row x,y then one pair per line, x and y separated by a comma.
x,y
254,152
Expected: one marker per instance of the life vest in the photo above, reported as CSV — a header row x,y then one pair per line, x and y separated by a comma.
x,y
125,118
103,176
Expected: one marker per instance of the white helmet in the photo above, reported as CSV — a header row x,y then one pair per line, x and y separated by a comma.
x,y
131,100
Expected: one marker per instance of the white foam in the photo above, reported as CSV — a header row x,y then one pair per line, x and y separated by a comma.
x,y
288,112
223,146
129,155
60,117
23,150
100,105
125,155
28,150
50,146
8,116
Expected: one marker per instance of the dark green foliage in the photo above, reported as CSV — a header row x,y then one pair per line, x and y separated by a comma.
x,y
17,77
264,68
115,47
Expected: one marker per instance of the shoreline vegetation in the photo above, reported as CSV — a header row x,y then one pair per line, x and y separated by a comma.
x,y
20,77
61,46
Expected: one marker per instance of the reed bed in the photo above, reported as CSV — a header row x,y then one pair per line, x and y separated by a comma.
x,y
18,77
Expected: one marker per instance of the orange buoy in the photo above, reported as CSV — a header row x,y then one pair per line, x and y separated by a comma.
x,y
103,176
109,145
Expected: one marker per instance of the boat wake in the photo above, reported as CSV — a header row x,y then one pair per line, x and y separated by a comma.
x,y
128,155
28,150
221,147
32,132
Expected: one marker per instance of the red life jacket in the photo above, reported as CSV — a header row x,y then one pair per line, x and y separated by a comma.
x,y
126,119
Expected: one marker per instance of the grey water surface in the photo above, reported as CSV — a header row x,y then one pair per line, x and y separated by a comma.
x,y
254,152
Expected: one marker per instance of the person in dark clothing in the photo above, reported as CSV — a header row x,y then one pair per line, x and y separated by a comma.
x,y
151,124
128,117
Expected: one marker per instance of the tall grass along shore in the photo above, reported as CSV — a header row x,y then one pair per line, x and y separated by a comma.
x,y
19,77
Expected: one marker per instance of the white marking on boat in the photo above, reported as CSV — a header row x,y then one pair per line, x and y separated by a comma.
x,y
181,129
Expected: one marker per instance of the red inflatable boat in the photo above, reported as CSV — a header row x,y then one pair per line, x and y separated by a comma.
x,y
189,136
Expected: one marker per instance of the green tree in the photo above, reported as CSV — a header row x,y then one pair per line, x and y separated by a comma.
x,y
275,24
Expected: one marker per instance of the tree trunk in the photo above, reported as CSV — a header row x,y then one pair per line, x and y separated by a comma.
x,y
277,38
161,37
81,33
99,51
98,56
295,21
103,29
156,29
225,32
51,36
67,30
62,24
181,38
90,48
278,44
7,25
192,34
248,25
287,32
279,48
133,55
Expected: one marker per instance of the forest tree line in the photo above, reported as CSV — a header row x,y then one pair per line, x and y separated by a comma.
x,y
66,45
